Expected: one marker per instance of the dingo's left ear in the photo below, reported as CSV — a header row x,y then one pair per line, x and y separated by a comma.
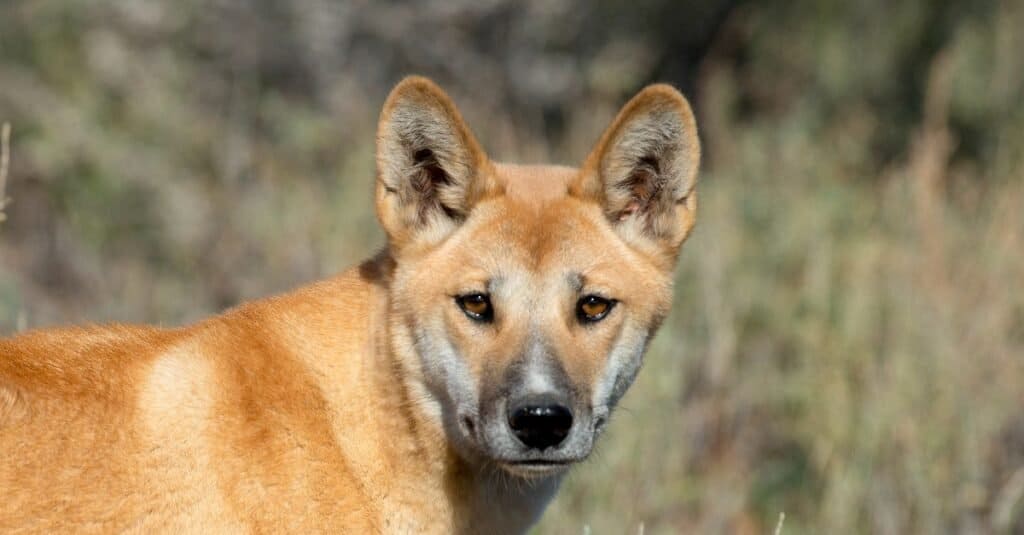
x,y
430,168
643,171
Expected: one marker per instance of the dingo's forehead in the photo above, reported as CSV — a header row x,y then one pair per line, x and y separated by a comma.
x,y
533,184
534,231
545,234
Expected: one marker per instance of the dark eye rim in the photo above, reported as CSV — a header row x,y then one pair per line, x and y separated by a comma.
x,y
584,318
485,317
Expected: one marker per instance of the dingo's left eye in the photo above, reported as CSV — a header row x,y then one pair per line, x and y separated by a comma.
x,y
476,306
593,308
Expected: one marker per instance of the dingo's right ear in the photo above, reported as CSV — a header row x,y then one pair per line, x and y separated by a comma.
x,y
430,168
643,171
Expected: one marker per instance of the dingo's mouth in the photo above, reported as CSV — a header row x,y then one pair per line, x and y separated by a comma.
x,y
540,462
536,467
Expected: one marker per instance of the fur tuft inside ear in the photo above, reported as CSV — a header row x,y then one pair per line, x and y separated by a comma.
x,y
643,171
430,168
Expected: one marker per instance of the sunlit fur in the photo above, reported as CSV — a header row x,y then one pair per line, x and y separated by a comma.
x,y
370,402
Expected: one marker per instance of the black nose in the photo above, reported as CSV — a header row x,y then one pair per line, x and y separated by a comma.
x,y
540,423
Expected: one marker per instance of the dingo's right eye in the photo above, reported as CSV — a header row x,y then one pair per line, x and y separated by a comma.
x,y
593,308
476,306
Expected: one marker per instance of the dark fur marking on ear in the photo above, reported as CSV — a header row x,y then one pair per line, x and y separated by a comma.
x,y
643,185
427,178
423,155
651,161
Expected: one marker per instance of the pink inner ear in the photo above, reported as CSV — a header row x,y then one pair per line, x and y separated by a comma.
x,y
630,209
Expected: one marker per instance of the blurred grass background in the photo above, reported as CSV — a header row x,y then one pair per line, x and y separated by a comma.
x,y
847,343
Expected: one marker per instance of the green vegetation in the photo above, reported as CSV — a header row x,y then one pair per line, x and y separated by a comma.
x,y
847,344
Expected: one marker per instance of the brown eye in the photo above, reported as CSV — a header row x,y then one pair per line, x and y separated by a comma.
x,y
592,308
476,306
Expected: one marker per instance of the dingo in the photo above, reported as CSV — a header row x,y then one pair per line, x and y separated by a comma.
x,y
444,386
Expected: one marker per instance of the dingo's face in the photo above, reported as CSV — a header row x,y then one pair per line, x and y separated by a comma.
x,y
528,294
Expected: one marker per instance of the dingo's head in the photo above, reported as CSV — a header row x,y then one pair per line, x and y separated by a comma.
x,y
528,294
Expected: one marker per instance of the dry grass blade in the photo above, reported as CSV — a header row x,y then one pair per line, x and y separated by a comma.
x,y
778,526
5,158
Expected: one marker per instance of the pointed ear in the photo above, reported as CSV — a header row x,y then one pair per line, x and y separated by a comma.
x,y
643,171
430,168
